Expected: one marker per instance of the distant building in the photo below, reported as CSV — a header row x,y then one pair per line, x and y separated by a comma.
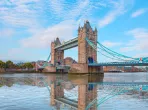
x,y
69,61
122,68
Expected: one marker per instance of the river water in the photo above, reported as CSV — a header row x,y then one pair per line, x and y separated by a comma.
x,y
111,91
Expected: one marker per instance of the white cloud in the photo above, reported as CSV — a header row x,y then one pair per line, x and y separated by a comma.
x,y
33,13
19,12
119,8
56,6
74,10
110,44
139,33
138,12
6,32
144,54
63,30
139,43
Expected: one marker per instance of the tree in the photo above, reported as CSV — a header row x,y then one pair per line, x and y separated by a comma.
x,y
28,65
2,64
9,64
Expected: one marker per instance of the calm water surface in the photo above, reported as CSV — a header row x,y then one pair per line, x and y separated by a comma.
x,y
111,91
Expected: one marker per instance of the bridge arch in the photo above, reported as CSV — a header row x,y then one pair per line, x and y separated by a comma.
x,y
90,87
59,63
90,60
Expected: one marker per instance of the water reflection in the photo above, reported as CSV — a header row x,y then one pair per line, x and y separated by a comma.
x,y
77,92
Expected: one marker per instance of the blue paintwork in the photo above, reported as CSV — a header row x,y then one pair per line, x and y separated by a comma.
x,y
119,64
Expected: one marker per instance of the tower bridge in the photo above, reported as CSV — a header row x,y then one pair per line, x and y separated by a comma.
x,y
86,54
88,47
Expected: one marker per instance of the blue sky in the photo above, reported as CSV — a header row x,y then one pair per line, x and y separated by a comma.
x,y
27,27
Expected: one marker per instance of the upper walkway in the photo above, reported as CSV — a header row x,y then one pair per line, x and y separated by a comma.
x,y
67,45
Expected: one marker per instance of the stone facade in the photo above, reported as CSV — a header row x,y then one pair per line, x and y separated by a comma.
x,y
52,53
79,68
93,69
49,69
86,94
85,51
57,56
56,92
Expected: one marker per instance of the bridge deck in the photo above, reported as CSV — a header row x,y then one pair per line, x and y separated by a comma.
x,y
119,64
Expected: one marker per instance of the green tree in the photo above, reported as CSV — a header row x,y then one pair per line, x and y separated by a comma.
x,y
9,64
28,65
2,64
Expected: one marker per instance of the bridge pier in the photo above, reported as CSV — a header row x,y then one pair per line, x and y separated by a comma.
x,y
92,69
57,91
85,68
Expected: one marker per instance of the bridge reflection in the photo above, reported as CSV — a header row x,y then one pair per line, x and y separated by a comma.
x,y
77,92
86,92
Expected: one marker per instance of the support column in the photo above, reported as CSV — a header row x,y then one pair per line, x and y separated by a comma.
x,y
53,53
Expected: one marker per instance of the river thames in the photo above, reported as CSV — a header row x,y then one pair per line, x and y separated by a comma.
x,y
111,91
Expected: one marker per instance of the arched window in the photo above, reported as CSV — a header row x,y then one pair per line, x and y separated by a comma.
x,y
90,60
90,87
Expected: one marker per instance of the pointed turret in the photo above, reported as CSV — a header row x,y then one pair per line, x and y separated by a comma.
x,y
95,29
87,25
79,28
57,41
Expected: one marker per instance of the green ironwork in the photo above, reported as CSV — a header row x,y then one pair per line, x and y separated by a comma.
x,y
112,54
115,92
45,63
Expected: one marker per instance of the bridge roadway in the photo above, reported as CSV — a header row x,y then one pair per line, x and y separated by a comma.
x,y
119,64
69,44
109,64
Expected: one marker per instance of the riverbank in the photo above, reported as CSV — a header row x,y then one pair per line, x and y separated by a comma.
x,y
23,72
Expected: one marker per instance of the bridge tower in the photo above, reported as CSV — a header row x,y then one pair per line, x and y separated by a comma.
x,y
57,56
86,54
57,91
87,93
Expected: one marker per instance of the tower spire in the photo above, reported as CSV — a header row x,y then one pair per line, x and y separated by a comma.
x,y
79,28
87,24
95,29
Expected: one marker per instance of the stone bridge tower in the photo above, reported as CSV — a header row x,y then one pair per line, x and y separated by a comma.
x,y
87,93
86,54
57,56
57,91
